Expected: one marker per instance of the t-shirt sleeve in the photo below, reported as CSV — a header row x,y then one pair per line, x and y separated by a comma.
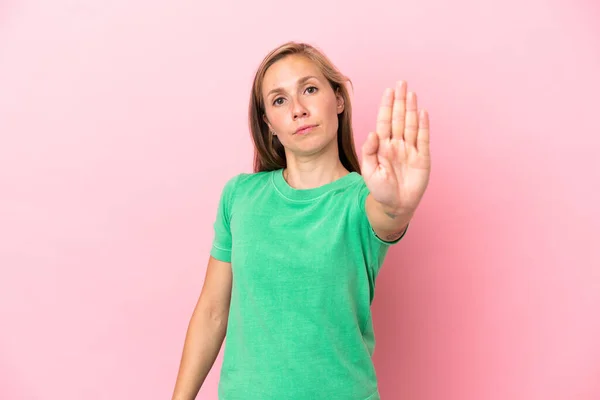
x,y
221,245
375,247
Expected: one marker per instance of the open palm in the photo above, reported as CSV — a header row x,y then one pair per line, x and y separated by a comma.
x,y
396,163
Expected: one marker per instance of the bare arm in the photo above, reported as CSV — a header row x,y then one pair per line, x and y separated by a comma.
x,y
206,330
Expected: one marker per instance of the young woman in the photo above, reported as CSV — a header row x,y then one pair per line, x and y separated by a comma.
x,y
298,243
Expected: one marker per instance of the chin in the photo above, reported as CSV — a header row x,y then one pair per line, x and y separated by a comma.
x,y
313,146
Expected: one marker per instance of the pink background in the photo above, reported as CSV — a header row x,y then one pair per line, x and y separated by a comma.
x,y
121,121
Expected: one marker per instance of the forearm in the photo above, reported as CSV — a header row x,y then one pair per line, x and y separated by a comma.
x,y
389,224
203,342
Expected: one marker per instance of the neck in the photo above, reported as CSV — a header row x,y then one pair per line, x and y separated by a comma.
x,y
312,174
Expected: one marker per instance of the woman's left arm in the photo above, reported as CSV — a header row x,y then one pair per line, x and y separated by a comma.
x,y
396,163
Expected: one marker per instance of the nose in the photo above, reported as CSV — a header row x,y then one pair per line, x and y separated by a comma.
x,y
299,110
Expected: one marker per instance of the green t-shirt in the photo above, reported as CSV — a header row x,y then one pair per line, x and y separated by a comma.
x,y
304,265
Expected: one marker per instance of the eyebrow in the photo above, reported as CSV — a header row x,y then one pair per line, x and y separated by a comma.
x,y
300,82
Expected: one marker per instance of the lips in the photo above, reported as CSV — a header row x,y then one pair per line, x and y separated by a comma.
x,y
305,129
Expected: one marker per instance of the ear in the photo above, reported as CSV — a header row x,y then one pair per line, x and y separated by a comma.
x,y
340,101
268,124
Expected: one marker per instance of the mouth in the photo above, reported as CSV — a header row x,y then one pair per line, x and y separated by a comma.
x,y
305,129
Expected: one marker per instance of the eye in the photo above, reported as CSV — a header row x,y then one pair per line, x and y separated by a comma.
x,y
275,102
308,89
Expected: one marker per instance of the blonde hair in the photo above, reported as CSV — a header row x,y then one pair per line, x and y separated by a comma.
x,y
269,153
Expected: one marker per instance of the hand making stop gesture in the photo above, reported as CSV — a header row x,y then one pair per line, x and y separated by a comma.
x,y
395,159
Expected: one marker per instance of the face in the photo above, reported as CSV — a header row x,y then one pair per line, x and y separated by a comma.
x,y
297,96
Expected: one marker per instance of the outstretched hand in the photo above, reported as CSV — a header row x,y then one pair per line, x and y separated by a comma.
x,y
395,159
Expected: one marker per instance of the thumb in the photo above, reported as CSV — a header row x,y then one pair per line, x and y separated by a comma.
x,y
369,154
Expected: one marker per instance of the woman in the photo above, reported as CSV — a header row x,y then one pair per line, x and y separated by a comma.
x,y
298,243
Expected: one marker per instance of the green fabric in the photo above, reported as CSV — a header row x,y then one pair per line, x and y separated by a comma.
x,y
304,266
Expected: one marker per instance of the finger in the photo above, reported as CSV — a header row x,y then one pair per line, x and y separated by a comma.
x,y
399,111
423,136
384,116
369,154
411,122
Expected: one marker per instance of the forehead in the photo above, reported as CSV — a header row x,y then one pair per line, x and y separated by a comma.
x,y
286,72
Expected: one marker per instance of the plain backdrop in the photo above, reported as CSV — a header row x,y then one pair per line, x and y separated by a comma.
x,y
120,122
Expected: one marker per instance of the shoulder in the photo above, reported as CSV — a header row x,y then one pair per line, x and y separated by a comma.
x,y
358,191
244,181
250,178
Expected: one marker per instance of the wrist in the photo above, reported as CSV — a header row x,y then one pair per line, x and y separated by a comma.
x,y
395,212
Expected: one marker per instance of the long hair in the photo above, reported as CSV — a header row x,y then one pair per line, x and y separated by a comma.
x,y
269,153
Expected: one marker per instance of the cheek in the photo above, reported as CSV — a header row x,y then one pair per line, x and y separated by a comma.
x,y
329,113
276,120
330,107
